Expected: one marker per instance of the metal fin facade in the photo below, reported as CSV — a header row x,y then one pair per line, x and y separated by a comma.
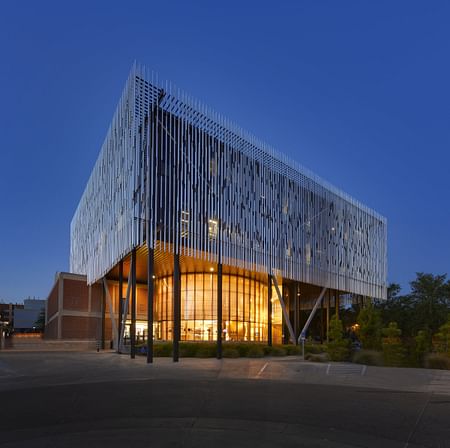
x,y
177,176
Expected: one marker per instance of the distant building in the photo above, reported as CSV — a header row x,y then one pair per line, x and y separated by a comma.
x,y
25,318
7,311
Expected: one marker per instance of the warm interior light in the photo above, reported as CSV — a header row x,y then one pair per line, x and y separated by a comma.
x,y
211,269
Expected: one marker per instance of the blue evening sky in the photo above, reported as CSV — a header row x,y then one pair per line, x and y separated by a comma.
x,y
357,91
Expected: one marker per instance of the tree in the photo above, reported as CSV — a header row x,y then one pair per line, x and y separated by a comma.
x,y
369,321
40,322
431,297
421,347
338,347
393,351
441,340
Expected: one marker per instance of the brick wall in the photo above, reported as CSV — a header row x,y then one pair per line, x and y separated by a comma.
x,y
51,330
52,301
75,295
77,327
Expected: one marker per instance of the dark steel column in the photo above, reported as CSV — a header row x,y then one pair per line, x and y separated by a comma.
x,y
103,319
269,313
150,270
336,303
219,311
133,305
296,311
120,307
176,330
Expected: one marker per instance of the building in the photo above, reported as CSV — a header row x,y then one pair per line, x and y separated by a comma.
x,y
199,231
26,318
7,311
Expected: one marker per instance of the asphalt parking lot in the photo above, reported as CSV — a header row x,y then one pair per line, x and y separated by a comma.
x,y
53,399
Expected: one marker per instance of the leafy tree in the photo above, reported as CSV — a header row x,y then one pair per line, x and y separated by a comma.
x,y
421,348
393,351
338,347
40,322
431,297
369,321
441,340
393,291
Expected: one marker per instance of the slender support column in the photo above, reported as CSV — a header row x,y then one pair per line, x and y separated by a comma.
x,y
219,311
126,306
269,312
336,302
302,336
120,307
133,305
321,322
103,320
284,310
296,289
176,308
114,332
328,317
150,270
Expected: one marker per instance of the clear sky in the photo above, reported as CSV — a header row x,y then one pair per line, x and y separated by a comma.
x,y
357,91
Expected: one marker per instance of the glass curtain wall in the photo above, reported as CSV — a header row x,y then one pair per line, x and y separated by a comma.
x,y
244,308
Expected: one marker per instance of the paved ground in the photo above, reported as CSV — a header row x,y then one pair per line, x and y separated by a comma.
x,y
108,400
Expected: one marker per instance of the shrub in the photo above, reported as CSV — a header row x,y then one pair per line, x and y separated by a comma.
x,y
368,357
189,349
163,349
393,351
277,350
437,361
321,357
292,350
338,347
255,351
369,320
206,351
441,339
267,349
315,348
230,352
421,347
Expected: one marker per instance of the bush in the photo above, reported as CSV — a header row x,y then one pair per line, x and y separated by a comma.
x,y
241,347
163,349
206,351
321,357
189,349
421,347
230,352
338,347
393,350
292,350
255,351
368,357
277,350
369,320
315,348
437,361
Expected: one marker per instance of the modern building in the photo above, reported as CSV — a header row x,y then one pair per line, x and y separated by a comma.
x,y
26,318
197,230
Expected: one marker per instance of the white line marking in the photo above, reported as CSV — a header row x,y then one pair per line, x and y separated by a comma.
x,y
262,370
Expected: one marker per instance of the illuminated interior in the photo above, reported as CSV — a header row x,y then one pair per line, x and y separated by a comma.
x,y
244,309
